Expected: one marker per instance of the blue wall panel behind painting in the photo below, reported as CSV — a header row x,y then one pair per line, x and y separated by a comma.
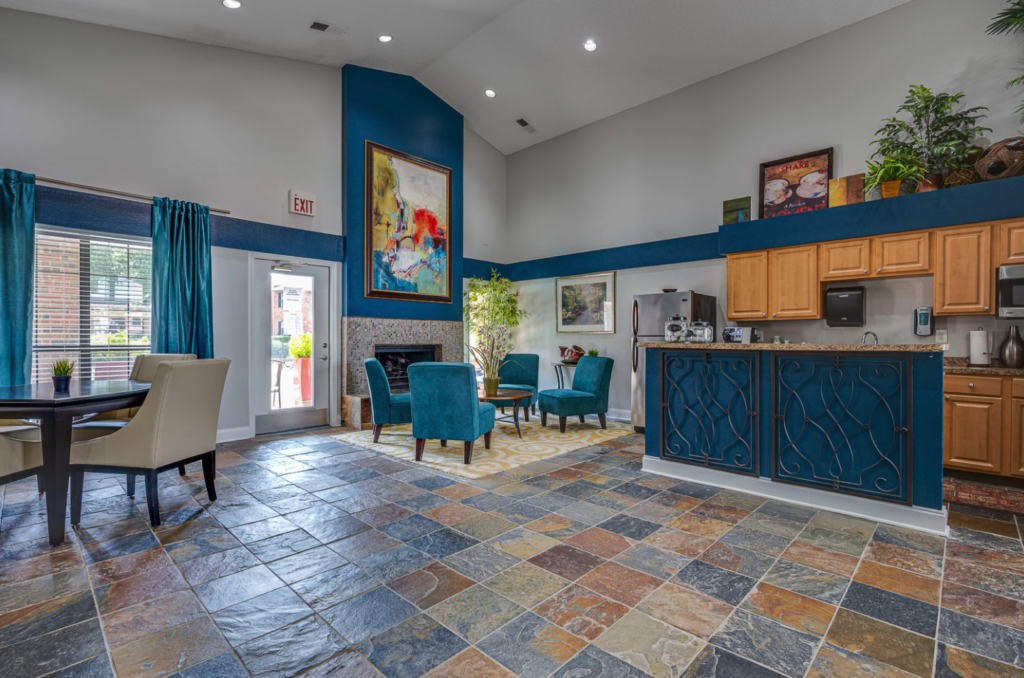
x,y
400,113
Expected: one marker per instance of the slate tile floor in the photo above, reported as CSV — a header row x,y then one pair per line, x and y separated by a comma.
x,y
322,559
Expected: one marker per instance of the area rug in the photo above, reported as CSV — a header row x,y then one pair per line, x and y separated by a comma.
x,y
507,450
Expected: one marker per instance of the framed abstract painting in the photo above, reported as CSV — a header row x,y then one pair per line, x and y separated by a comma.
x,y
407,231
796,184
585,304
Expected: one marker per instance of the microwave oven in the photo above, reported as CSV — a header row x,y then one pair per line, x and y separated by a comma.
x,y
1010,291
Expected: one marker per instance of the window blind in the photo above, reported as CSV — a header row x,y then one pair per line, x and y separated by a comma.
x,y
92,302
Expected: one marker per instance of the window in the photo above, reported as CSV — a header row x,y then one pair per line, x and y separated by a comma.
x,y
92,302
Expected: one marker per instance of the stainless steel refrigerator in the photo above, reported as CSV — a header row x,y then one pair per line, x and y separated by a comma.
x,y
650,311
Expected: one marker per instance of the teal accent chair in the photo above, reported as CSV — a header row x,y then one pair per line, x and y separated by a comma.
x,y
388,408
520,371
445,406
588,395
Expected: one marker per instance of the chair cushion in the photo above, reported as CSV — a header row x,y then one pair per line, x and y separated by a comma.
x,y
564,402
401,409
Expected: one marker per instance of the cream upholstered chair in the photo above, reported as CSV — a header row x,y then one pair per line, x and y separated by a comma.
x,y
21,453
176,424
143,370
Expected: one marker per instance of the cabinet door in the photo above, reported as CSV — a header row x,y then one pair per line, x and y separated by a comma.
x,y
847,259
903,254
1011,243
746,285
963,271
974,433
793,283
1016,460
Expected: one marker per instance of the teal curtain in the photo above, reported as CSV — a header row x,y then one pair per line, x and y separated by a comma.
x,y
17,262
182,289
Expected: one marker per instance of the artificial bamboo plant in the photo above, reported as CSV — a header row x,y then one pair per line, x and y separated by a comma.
x,y
491,307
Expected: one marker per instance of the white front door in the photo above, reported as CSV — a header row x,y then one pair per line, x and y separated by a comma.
x,y
291,345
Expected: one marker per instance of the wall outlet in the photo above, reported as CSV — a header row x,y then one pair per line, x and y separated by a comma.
x,y
941,336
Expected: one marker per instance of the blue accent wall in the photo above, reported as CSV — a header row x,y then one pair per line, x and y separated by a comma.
x,y
477,268
400,113
103,214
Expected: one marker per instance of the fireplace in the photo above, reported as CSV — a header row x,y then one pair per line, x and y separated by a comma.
x,y
396,359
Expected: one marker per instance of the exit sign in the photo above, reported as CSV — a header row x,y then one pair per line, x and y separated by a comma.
x,y
300,202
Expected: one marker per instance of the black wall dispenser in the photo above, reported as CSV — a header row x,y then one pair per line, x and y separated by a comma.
x,y
844,307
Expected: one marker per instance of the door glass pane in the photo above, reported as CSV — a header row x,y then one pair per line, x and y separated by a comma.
x,y
291,341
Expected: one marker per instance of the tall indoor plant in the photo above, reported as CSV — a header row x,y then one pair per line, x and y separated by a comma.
x,y
301,348
936,132
1011,20
491,307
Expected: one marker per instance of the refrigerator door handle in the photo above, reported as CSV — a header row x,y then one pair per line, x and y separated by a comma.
x,y
636,355
636,317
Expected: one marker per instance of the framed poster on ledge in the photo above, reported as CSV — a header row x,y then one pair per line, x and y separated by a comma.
x,y
585,304
795,184
407,237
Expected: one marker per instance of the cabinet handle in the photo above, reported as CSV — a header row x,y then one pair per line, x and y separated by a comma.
x,y
971,384
986,308
947,397
865,270
763,314
774,314
878,271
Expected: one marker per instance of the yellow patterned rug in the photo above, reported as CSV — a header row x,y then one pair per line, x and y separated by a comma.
x,y
507,450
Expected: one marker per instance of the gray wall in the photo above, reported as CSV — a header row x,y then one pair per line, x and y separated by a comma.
x,y
483,200
662,169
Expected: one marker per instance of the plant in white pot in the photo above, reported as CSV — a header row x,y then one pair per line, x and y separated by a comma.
x,y
491,307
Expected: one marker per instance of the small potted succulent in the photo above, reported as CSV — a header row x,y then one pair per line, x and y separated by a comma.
x,y
62,373
895,174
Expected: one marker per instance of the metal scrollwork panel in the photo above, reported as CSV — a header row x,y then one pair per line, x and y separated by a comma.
x,y
841,423
709,410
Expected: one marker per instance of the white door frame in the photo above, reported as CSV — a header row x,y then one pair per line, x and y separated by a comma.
x,y
334,334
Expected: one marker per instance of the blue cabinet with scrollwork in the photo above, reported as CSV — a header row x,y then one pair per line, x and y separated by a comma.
x,y
709,409
840,422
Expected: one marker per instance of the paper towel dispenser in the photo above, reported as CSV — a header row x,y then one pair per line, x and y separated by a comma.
x,y
844,307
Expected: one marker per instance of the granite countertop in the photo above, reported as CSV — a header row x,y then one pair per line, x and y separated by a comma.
x,y
996,369
887,348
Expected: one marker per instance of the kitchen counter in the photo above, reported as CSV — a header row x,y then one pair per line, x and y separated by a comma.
x,y
885,348
996,369
853,428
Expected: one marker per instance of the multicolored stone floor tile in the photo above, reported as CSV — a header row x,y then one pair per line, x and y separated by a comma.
x,y
325,559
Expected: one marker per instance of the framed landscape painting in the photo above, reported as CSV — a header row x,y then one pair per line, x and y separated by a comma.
x,y
796,184
407,231
585,303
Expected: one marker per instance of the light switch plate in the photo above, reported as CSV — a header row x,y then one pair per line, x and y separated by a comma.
x,y
941,336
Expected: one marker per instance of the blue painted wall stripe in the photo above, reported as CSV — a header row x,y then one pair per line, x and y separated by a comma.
x,y
104,214
988,201
477,268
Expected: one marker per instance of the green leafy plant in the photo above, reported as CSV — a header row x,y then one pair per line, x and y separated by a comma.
x,y
936,132
63,368
491,307
592,353
899,166
1011,20
301,346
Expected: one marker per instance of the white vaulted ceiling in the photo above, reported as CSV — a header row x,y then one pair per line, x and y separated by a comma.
x,y
529,51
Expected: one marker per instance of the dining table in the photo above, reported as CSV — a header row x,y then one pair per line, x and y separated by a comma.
x,y
56,413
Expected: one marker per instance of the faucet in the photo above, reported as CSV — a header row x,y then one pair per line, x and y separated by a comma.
x,y
864,337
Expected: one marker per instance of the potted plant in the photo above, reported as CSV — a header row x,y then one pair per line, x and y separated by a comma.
x,y
491,307
898,173
62,373
1011,20
939,135
301,348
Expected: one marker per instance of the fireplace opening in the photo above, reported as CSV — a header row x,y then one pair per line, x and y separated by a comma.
x,y
397,358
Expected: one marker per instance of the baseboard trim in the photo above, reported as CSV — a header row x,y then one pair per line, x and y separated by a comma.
x,y
620,415
914,517
227,435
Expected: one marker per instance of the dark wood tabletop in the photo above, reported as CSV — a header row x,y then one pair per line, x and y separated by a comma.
x,y
505,394
78,392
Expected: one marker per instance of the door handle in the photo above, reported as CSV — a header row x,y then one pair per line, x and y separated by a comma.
x,y
323,357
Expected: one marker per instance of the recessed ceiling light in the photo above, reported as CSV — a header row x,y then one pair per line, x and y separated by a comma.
x,y
590,45
385,38
490,93
231,4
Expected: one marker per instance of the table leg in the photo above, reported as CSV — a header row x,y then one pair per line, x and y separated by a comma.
x,y
558,375
515,417
55,435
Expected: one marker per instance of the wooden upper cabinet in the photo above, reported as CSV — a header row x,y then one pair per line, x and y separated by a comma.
x,y
963,271
746,285
1011,243
973,433
845,259
903,254
793,283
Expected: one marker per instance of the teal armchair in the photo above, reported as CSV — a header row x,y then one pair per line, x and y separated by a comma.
x,y
588,395
388,408
520,371
445,406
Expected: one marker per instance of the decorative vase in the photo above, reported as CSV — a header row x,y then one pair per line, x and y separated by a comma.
x,y
891,189
305,366
1012,350
61,384
932,182
570,354
491,386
